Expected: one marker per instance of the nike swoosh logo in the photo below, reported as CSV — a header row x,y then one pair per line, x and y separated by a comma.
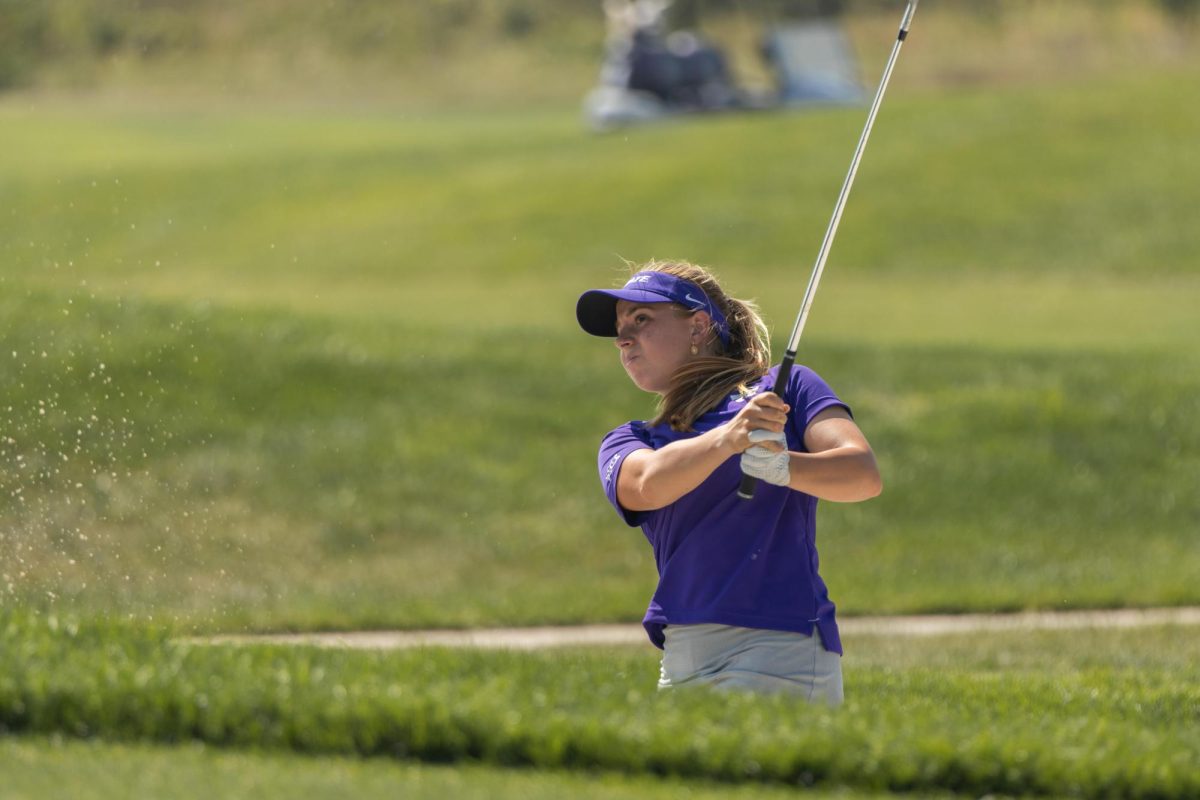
x,y
691,299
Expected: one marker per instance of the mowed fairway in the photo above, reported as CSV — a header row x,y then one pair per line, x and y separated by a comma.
x,y
271,370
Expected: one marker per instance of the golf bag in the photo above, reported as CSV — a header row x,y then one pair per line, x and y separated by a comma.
x,y
680,70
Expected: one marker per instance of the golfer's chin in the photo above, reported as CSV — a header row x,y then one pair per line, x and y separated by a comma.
x,y
643,381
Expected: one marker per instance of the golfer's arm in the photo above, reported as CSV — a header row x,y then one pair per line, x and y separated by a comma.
x,y
653,479
839,465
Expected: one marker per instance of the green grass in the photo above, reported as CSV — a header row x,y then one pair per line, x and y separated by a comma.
x,y
238,469
300,354
1034,184
342,385
41,767
1058,714
525,53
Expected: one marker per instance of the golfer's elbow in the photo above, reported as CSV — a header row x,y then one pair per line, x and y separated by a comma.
x,y
862,483
854,492
870,482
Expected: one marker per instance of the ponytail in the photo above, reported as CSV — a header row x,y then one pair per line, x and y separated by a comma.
x,y
701,383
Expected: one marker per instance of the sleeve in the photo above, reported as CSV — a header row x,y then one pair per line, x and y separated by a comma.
x,y
614,448
809,395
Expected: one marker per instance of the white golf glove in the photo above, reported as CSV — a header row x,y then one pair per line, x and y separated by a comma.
x,y
765,464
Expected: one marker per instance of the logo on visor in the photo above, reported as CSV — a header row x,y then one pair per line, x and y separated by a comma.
x,y
741,396
638,279
699,303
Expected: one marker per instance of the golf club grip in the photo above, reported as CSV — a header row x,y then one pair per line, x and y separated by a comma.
x,y
746,489
749,483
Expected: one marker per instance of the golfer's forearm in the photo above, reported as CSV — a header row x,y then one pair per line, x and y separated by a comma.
x,y
841,475
652,479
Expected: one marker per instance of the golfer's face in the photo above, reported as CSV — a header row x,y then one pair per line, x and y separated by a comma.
x,y
654,340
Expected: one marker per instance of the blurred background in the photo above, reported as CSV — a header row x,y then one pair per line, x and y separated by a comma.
x,y
286,300
501,54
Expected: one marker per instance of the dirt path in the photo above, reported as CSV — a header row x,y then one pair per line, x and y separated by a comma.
x,y
626,634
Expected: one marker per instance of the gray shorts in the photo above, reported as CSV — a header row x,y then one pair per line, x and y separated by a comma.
x,y
729,657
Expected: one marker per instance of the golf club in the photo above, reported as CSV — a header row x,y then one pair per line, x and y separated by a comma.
x,y
746,490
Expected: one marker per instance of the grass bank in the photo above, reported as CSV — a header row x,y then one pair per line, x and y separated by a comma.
x,y
262,470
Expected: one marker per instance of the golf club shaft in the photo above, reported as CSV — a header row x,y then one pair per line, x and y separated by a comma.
x,y
746,490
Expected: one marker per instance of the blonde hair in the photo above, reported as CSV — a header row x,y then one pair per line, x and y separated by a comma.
x,y
701,383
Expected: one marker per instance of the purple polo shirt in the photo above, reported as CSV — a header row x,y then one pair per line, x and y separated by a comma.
x,y
751,563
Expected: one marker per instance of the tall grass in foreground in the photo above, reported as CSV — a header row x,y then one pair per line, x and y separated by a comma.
x,y
1114,729
41,768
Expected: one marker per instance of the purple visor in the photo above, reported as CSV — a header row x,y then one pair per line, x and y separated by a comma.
x,y
597,309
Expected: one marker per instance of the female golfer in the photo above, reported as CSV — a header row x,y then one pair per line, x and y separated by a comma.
x,y
739,601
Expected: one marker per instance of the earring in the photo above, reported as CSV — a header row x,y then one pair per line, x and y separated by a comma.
x,y
695,350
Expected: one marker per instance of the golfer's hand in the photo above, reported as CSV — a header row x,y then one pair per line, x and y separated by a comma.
x,y
765,412
765,463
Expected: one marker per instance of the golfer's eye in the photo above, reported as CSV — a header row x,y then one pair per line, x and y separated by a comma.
x,y
640,319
